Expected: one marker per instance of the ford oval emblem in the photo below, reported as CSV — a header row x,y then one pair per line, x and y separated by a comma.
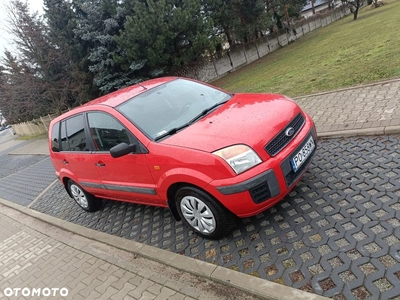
x,y
289,132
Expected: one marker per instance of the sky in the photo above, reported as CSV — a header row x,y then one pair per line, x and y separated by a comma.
x,y
5,38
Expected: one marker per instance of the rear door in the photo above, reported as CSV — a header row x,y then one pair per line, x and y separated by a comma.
x,y
74,158
126,178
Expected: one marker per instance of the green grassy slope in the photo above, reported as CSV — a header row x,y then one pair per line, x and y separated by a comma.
x,y
342,54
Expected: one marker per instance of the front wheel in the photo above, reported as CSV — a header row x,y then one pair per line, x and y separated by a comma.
x,y
202,213
85,200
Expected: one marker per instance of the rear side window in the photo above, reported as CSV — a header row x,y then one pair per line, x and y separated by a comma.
x,y
73,136
55,135
106,131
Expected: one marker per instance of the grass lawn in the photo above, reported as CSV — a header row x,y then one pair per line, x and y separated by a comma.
x,y
32,137
344,53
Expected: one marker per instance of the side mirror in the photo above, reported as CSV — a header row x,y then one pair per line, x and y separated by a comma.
x,y
122,149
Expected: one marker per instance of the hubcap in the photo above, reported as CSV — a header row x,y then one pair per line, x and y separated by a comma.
x,y
198,214
79,196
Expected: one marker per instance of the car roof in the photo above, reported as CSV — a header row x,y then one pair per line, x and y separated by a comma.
x,y
116,98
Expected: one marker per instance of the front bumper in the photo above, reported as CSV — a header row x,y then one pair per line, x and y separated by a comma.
x,y
261,187
267,183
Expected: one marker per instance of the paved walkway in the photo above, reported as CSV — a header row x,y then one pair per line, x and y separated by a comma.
x,y
37,259
368,109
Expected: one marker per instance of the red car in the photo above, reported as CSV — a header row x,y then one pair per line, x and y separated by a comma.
x,y
173,142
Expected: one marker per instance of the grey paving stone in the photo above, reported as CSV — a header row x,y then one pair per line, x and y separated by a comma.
x,y
24,177
35,271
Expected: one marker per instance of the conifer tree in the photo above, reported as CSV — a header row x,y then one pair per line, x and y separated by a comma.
x,y
97,24
162,34
241,21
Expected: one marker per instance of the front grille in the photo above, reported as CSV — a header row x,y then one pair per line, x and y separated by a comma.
x,y
292,176
260,193
281,140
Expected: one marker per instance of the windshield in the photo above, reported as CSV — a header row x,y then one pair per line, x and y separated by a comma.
x,y
170,105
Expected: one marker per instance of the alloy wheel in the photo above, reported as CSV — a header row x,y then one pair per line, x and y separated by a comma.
x,y
79,196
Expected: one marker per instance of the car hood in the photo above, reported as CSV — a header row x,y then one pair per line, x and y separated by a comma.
x,y
251,119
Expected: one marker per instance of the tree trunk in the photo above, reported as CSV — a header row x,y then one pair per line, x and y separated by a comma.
x,y
229,38
278,20
313,8
356,13
357,7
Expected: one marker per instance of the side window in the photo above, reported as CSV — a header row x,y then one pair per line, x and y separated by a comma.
x,y
106,131
73,134
55,133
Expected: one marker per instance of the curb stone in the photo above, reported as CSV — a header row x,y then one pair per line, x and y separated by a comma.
x,y
360,132
349,88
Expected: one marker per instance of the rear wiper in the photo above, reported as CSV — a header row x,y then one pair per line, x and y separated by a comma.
x,y
176,129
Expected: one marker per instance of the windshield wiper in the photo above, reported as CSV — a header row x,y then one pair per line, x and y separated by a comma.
x,y
205,112
200,115
171,131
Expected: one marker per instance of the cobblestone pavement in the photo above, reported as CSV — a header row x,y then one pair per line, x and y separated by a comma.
x,y
336,234
31,260
369,106
24,177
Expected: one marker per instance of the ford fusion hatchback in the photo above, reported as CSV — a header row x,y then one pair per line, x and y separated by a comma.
x,y
206,154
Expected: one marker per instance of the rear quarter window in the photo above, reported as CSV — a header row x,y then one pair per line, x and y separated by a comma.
x,y
55,137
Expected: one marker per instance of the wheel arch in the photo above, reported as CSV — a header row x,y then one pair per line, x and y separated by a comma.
x,y
171,192
173,189
64,181
223,219
65,175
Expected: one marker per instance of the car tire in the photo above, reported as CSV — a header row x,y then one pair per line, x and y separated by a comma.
x,y
203,213
85,200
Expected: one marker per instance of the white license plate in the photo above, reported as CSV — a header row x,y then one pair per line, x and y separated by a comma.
x,y
301,156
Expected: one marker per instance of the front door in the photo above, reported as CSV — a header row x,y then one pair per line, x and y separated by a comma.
x,y
126,178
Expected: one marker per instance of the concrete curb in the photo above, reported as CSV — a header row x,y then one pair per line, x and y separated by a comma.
x,y
349,88
360,132
254,285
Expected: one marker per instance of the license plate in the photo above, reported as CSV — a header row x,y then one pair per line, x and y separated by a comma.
x,y
298,160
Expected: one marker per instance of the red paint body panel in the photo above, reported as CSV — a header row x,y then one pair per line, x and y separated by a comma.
x,y
186,156
250,119
239,204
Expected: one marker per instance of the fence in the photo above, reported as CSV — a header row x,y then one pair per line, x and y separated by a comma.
x,y
34,127
242,55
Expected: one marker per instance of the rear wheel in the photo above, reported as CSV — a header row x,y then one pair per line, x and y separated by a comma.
x,y
202,213
85,200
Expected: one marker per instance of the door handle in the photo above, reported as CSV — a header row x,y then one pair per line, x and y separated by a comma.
x,y
100,164
65,162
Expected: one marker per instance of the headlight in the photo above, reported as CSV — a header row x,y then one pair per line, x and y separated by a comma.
x,y
239,157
